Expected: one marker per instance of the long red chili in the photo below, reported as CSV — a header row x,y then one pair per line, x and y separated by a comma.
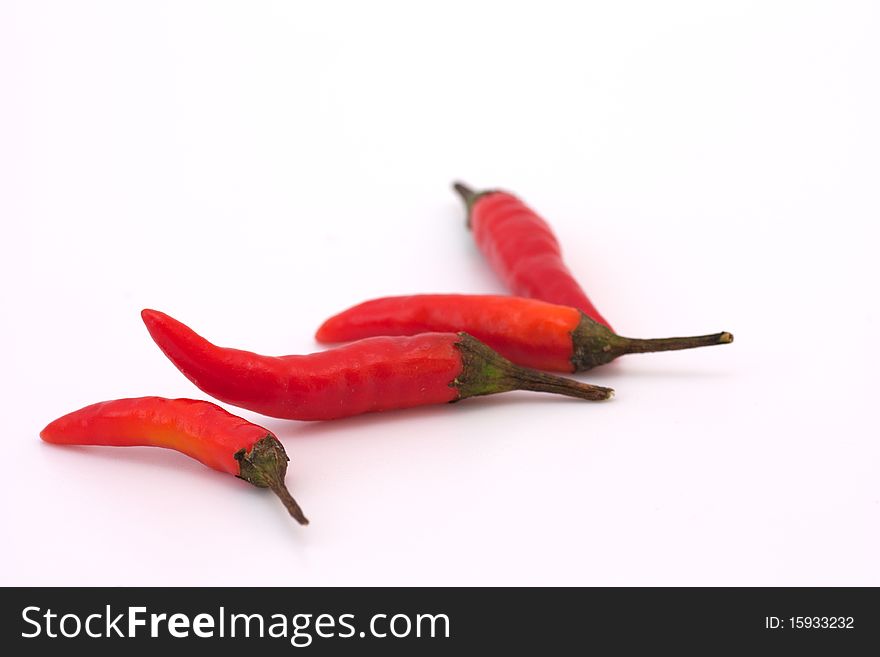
x,y
199,429
527,331
523,250
376,374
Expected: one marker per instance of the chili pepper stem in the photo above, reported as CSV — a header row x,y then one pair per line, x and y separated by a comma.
x,y
469,196
289,503
641,346
595,344
486,372
265,466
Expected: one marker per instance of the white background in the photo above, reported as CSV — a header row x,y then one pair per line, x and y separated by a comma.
x,y
252,168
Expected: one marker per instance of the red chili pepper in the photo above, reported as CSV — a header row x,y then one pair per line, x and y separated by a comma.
x,y
527,331
523,250
199,429
376,374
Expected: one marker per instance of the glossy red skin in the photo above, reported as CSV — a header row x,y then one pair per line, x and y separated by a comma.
x,y
523,250
526,331
199,429
371,375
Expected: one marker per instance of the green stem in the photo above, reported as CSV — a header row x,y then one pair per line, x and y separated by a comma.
x,y
290,504
467,194
594,344
265,466
486,372
641,346
470,197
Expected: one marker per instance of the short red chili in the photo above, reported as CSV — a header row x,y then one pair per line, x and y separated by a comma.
x,y
376,374
523,250
527,331
199,429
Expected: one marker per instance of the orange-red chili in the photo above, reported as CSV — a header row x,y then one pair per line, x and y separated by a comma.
x,y
527,331
376,374
523,250
199,429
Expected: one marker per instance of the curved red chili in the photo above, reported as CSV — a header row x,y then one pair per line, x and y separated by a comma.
x,y
523,250
527,331
199,429
376,374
